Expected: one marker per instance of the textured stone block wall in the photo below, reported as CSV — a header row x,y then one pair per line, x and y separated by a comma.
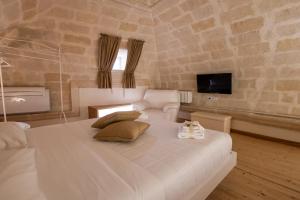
x,y
75,25
257,40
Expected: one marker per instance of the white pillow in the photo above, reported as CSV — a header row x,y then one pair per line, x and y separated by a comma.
x,y
11,136
171,106
158,98
18,175
141,105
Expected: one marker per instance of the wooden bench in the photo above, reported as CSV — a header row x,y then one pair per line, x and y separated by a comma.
x,y
213,121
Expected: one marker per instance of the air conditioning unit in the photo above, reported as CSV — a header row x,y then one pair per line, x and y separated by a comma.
x,y
20,100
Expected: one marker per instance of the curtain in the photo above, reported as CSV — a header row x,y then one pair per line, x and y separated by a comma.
x,y
108,51
134,53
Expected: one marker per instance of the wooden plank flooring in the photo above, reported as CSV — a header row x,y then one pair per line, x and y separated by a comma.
x,y
266,170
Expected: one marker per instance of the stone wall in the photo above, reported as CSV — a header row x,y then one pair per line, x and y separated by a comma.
x,y
257,40
74,25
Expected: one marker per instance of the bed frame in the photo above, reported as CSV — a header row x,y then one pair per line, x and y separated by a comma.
x,y
204,190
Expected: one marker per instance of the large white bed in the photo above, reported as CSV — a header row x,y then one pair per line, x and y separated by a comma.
x,y
73,166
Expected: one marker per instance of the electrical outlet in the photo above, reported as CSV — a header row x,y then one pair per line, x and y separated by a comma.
x,y
212,98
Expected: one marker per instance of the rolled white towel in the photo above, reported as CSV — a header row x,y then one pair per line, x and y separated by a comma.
x,y
182,135
194,135
192,127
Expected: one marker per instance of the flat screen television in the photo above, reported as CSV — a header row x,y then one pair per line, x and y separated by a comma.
x,y
214,83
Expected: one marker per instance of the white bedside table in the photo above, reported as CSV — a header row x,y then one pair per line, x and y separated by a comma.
x,y
213,121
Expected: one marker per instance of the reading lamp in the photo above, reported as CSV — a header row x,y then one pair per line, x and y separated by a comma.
x,y
3,64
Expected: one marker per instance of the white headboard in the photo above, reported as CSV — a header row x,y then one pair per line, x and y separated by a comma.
x,y
95,96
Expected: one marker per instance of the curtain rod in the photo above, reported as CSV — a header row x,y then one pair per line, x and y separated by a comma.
x,y
107,34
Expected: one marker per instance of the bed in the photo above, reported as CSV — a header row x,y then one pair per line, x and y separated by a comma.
x,y
71,165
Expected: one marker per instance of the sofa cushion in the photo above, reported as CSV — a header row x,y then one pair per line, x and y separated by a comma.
x,y
141,105
169,106
158,98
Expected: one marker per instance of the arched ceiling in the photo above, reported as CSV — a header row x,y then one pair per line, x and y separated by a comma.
x,y
145,3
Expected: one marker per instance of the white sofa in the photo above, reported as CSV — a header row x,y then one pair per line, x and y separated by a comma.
x,y
159,104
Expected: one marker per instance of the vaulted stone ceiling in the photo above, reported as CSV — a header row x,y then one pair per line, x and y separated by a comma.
x,y
146,3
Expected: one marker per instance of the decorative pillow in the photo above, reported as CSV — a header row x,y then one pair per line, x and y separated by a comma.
x,y
141,105
116,117
125,131
11,136
18,175
171,106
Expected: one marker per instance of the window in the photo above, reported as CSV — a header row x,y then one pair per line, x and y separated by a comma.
x,y
121,59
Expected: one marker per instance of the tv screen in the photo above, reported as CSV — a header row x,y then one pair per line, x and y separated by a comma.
x,y
214,83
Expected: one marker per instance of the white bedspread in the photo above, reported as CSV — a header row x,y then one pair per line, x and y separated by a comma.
x,y
73,166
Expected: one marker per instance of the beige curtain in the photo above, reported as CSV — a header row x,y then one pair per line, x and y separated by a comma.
x,y
108,51
134,53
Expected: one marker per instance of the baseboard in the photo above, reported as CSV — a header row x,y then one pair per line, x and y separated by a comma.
x,y
263,137
267,131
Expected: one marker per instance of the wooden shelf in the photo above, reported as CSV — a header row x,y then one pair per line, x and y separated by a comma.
x,y
213,121
287,122
39,116
93,110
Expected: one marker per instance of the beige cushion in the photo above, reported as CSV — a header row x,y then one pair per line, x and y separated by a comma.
x,y
11,136
116,117
125,131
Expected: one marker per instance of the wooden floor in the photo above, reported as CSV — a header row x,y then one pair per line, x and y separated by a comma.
x,y
265,170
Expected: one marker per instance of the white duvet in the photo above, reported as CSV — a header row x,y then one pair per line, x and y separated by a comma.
x,y
18,175
73,166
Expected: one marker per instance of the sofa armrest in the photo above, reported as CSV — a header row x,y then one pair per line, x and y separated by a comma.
x,y
170,106
141,105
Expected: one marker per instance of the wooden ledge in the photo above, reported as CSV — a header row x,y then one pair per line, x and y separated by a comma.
x,y
264,119
268,138
39,116
93,110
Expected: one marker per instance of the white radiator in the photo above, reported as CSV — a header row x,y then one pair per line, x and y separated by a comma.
x,y
186,96
26,100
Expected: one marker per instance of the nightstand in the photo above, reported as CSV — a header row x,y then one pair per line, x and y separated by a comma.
x,y
213,121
